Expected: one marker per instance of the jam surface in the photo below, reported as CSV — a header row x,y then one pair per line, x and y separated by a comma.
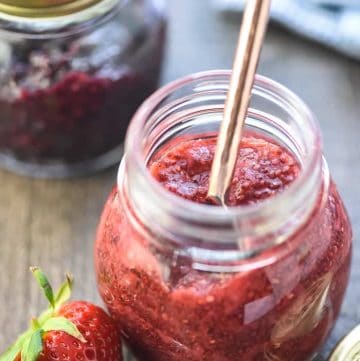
x,y
262,170
168,311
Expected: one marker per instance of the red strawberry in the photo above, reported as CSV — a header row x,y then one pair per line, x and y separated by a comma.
x,y
74,331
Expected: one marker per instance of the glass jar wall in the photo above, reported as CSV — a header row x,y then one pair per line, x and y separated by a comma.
x,y
262,280
70,80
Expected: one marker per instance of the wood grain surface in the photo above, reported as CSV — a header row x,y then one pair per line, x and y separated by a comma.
x,y
52,223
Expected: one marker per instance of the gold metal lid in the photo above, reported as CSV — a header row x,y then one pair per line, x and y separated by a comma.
x,y
348,349
44,8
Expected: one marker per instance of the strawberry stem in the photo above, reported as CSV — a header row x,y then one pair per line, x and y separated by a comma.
x,y
35,323
64,292
44,285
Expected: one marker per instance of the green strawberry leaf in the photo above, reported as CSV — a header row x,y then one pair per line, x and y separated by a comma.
x,y
35,324
45,316
65,325
11,353
64,292
44,284
33,347
14,350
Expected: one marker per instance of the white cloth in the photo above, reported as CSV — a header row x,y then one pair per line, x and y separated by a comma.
x,y
333,22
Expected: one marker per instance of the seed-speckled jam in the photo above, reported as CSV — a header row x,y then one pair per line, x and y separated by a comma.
x,y
263,169
282,310
80,117
68,103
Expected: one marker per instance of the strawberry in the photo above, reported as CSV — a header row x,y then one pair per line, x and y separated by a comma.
x,y
73,331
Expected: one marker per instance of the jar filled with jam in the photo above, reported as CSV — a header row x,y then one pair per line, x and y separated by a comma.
x,y
72,73
260,279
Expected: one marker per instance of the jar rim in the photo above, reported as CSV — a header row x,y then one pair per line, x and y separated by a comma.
x,y
62,25
36,9
220,238
136,128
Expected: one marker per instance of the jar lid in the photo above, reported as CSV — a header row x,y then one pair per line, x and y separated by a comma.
x,y
44,8
348,349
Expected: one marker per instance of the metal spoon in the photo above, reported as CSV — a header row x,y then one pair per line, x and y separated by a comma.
x,y
251,38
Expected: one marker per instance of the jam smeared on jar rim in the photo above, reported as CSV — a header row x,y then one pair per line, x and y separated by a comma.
x,y
263,169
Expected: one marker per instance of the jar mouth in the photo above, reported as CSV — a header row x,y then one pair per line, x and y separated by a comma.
x,y
212,234
136,131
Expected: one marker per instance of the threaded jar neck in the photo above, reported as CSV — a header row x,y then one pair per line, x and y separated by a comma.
x,y
215,235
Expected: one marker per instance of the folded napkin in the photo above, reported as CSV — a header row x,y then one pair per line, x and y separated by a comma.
x,y
335,23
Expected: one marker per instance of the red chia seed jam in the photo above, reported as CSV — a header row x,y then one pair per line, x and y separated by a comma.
x,y
263,169
279,310
70,115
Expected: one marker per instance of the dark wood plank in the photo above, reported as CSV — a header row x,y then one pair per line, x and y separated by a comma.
x,y
47,223
53,223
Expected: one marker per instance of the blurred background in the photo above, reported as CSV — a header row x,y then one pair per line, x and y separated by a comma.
x,y
52,223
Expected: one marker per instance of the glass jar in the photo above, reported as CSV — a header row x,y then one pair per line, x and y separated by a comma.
x,y
189,281
72,73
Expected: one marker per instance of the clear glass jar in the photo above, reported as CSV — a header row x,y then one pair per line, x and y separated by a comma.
x,y
72,73
189,281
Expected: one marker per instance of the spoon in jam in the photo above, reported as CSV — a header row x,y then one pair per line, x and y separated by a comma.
x,y
252,33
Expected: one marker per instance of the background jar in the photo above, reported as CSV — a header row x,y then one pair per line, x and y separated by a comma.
x,y
252,283
72,73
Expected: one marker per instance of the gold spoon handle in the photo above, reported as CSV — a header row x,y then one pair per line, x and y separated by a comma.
x,y
251,38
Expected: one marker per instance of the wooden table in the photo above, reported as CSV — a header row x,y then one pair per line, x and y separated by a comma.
x,y
52,223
